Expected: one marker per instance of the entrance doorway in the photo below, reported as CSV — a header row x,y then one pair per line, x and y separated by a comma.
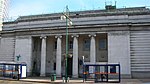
x,y
36,56
69,66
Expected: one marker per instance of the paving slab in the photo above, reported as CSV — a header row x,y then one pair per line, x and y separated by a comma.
x,y
47,80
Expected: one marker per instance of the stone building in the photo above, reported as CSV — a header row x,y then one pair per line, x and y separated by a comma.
x,y
102,36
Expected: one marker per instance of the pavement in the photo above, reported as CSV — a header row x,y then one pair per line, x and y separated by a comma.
x,y
47,80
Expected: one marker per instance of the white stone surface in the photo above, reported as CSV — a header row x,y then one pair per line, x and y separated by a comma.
x,y
93,50
50,55
119,50
43,57
58,57
7,49
140,51
23,48
75,57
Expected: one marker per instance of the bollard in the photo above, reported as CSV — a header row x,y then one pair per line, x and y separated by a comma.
x,y
63,79
68,79
53,77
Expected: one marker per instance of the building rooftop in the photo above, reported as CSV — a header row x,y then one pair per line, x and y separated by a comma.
x,y
87,13
90,18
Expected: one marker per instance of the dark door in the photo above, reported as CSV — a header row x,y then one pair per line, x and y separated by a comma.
x,y
69,67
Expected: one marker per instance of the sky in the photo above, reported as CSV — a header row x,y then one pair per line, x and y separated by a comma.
x,y
34,7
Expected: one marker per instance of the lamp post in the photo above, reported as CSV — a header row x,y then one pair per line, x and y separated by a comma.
x,y
68,23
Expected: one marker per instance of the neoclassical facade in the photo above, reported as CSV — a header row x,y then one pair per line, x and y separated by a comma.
x,y
101,36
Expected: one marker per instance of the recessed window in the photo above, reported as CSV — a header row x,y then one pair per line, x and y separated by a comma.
x,y
55,45
55,66
86,45
35,45
70,45
102,44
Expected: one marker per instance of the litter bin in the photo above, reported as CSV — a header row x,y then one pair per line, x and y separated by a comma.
x,y
53,77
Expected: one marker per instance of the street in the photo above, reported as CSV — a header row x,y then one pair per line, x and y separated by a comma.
x,y
76,81
18,82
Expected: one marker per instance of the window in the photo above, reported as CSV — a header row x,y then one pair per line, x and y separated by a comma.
x,y
70,44
35,46
102,44
86,45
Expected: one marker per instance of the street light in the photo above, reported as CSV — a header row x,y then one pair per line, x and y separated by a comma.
x,y
68,23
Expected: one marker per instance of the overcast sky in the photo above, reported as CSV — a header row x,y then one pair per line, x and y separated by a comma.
x,y
31,7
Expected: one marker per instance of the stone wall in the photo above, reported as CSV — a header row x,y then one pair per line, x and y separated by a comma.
x,y
23,47
140,54
119,51
7,49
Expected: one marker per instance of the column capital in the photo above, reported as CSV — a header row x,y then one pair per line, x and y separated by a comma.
x,y
43,37
92,35
58,36
75,36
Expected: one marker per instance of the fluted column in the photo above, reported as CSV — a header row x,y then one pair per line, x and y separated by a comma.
x,y
93,49
75,56
58,56
43,56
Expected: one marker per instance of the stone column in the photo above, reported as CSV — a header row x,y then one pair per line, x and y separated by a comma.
x,y
58,56
75,56
43,56
93,49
